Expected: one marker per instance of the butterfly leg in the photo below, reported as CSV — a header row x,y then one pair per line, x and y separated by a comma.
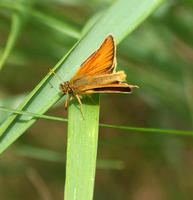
x,y
79,101
66,102
71,97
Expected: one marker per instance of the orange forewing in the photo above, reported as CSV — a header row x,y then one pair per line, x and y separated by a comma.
x,y
102,61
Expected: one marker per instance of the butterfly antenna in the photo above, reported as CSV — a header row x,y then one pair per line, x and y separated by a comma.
x,y
55,74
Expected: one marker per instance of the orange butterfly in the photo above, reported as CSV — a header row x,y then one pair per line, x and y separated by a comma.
x,y
97,75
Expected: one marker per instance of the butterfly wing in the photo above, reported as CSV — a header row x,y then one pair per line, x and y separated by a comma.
x,y
102,61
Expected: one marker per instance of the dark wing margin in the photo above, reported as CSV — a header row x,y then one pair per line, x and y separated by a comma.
x,y
111,88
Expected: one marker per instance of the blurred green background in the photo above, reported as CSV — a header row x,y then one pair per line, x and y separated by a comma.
x,y
157,56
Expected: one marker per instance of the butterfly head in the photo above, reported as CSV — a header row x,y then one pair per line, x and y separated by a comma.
x,y
65,88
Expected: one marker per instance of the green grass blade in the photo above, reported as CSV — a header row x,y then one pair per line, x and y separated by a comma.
x,y
81,150
56,24
16,24
38,116
126,128
10,102
13,35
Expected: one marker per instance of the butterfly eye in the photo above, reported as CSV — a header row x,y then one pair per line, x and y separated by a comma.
x,y
63,88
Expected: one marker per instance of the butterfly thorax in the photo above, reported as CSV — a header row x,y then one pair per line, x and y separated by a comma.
x,y
65,87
